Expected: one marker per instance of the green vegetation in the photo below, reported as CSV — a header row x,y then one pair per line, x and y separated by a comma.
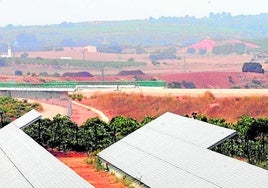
x,y
115,35
11,109
77,96
63,134
73,63
250,143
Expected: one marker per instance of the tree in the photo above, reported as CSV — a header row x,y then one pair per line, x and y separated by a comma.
x,y
147,119
24,55
121,126
18,72
191,50
202,51
95,134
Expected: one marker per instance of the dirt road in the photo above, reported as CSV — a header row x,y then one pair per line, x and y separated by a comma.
x,y
100,114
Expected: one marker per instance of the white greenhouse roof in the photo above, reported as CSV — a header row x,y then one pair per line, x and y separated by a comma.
x,y
24,163
27,119
158,158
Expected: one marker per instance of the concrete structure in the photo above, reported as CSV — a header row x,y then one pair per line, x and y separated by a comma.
x,y
24,163
171,151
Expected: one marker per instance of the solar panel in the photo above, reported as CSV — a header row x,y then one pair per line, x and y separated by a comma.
x,y
163,154
24,163
27,119
190,130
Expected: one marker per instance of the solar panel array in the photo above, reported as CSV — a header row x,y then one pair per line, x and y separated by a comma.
x,y
24,163
27,119
165,153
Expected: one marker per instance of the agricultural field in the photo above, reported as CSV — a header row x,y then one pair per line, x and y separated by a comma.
x,y
203,71
227,104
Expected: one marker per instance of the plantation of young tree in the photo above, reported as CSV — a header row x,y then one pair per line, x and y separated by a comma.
x,y
61,133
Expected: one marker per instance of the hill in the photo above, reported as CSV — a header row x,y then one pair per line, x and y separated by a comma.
x,y
113,36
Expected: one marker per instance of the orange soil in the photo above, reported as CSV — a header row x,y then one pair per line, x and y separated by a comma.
x,y
77,162
138,105
216,79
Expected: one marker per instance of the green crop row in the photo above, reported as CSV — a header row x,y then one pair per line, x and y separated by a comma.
x,y
74,63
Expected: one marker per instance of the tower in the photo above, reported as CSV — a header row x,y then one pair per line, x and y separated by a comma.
x,y
9,52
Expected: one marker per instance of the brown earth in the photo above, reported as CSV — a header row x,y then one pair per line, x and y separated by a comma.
x,y
229,104
214,103
205,71
77,162
53,107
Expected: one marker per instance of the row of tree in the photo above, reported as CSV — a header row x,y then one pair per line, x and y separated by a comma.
x,y
250,143
63,134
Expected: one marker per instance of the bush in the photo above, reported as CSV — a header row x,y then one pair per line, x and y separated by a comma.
x,y
252,67
174,85
18,72
77,96
24,55
188,85
77,74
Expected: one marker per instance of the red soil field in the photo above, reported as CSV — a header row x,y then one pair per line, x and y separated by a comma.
x,y
77,162
216,79
204,44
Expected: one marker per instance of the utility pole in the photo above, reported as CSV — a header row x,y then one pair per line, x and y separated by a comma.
x,y
69,107
102,74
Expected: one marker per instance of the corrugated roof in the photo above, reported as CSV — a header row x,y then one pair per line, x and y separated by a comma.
x,y
27,119
24,163
160,159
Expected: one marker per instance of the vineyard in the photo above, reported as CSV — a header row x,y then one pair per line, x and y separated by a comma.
x,y
72,63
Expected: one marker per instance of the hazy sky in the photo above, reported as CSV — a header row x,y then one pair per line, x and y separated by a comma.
x,y
32,12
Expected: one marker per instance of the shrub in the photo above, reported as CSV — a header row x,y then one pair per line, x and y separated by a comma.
x,y
77,74
188,85
18,72
174,85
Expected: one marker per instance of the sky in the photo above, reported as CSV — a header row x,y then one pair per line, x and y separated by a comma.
x,y
43,12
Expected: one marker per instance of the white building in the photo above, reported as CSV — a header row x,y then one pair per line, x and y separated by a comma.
x,y
9,53
90,48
